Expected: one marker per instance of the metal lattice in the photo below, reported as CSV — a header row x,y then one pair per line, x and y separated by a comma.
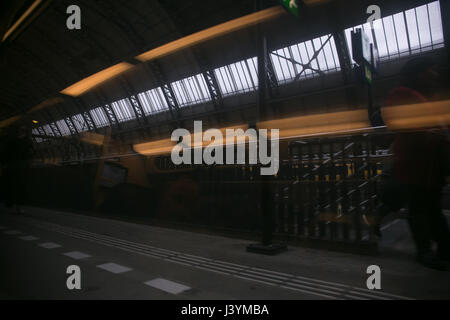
x,y
110,115
166,89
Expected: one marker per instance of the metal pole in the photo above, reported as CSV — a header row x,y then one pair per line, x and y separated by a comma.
x,y
266,246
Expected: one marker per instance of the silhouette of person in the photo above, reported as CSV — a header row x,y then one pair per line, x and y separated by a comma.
x,y
420,166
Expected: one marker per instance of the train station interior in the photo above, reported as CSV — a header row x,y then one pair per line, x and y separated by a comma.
x,y
224,150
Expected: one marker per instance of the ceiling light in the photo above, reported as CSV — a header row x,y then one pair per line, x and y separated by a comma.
x,y
213,32
21,19
317,124
94,80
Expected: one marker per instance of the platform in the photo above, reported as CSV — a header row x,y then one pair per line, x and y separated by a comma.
x,y
122,260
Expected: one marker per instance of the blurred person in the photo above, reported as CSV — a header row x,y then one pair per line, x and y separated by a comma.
x,y
15,156
420,167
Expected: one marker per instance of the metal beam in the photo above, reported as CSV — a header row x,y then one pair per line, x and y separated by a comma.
x,y
213,88
53,125
445,12
210,77
271,76
134,101
73,130
346,64
169,96
343,55
110,114
85,114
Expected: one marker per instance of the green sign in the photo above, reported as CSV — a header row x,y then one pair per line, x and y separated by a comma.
x,y
291,6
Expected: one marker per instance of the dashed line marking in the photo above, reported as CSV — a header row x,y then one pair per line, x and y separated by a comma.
x,y
304,284
77,255
28,238
167,286
50,245
114,267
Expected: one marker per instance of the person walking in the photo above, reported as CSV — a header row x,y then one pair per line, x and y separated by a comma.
x,y
420,166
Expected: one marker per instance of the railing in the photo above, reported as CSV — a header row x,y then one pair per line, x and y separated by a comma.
x,y
325,189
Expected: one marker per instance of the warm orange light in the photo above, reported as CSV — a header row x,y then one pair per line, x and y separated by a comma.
x,y
302,126
92,138
213,32
46,103
94,80
153,148
9,121
223,131
21,19
165,146
417,116
327,123
35,121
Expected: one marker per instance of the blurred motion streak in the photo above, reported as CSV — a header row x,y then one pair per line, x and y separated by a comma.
x,y
9,121
237,138
154,148
21,19
92,138
46,103
327,123
165,146
213,32
94,80
417,116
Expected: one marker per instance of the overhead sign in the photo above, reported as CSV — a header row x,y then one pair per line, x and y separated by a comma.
x,y
292,6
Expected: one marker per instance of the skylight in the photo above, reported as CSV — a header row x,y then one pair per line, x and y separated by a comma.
x,y
238,77
191,90
63,128
153,101
99,117
305,59
79,123
405,33
123,110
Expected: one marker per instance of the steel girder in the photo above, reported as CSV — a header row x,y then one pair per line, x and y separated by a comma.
x,y
169,96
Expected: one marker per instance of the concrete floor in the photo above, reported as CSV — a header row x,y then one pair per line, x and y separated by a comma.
x,y
121,260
